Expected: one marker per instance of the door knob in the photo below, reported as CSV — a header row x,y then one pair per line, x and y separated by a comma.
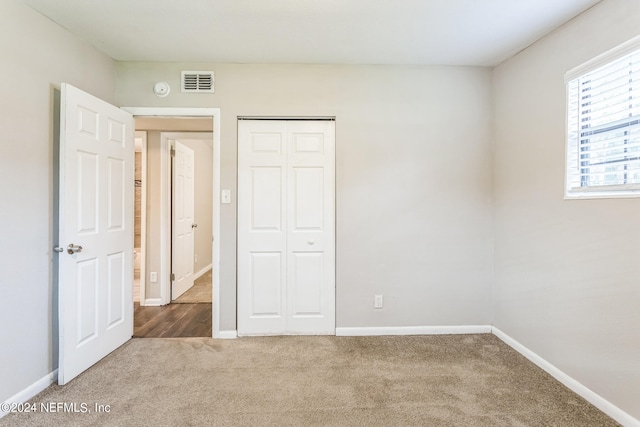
x,y
74,249
311,242
194,225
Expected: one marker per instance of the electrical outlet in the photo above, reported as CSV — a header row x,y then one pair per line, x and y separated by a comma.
x,y
153,276
195,258
377,301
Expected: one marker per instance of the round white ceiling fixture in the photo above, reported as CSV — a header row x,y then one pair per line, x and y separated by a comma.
x,y
162,89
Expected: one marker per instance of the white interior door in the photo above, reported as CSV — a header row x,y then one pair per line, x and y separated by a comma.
x,y
262,221
182,219
310,227
286,227
95,260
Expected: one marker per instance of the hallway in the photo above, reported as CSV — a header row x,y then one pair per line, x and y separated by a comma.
x,y
172,321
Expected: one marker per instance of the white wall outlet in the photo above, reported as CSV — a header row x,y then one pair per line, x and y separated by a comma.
x,y
377,301
153,276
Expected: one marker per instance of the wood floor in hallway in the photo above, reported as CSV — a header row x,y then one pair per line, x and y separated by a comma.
x,y
172,321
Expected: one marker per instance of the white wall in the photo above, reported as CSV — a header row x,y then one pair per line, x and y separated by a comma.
x,y
203,202
566,272
37,56
413,178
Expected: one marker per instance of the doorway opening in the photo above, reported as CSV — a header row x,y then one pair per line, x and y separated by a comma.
x,y
164,310
140,217
191,206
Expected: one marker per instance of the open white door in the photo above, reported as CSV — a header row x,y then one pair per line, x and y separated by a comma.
x,y
95,245
182,219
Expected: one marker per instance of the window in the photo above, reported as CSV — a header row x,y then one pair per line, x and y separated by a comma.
x,y
603,125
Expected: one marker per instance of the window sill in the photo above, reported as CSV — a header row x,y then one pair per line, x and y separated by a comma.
x,y
601,193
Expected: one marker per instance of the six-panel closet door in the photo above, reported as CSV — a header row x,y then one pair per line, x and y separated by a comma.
x,y
286,227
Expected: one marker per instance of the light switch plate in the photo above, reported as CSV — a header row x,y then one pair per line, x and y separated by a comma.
x,y
377,301
226,196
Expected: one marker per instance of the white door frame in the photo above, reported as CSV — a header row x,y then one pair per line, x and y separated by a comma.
x,y
165,238
143,218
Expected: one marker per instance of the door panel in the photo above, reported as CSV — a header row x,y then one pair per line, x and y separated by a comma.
x,y
308,143
266,284
116,132
308,198
311,236
96,213
286,261
267,143
88,122
117,193
116,283
87,308
307,284
183,219
266,200
87,194
261,232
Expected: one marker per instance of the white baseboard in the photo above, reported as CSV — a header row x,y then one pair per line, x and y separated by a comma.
x,y
412,330
589,395
31,390
227,335
152,302
197,275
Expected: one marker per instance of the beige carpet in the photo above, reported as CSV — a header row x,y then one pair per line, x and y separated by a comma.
x,y
199,292
455,380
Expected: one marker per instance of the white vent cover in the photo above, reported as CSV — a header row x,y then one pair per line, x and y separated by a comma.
x,y
197,81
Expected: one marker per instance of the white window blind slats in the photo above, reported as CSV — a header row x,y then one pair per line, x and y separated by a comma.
x,y
599,121
612,129
622,96
603,126
595,87
614,70
608,151
610,175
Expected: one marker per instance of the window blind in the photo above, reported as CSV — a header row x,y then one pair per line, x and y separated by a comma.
x,y
603,123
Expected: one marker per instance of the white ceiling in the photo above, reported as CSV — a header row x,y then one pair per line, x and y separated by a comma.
x,y
443,32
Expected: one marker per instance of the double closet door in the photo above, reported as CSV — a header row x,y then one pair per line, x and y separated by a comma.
x,y
286,227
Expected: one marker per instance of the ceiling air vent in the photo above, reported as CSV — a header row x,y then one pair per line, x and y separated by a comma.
x,y
197,81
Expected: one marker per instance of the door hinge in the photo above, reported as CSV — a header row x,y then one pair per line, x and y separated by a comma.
x,y
173,152
173,277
